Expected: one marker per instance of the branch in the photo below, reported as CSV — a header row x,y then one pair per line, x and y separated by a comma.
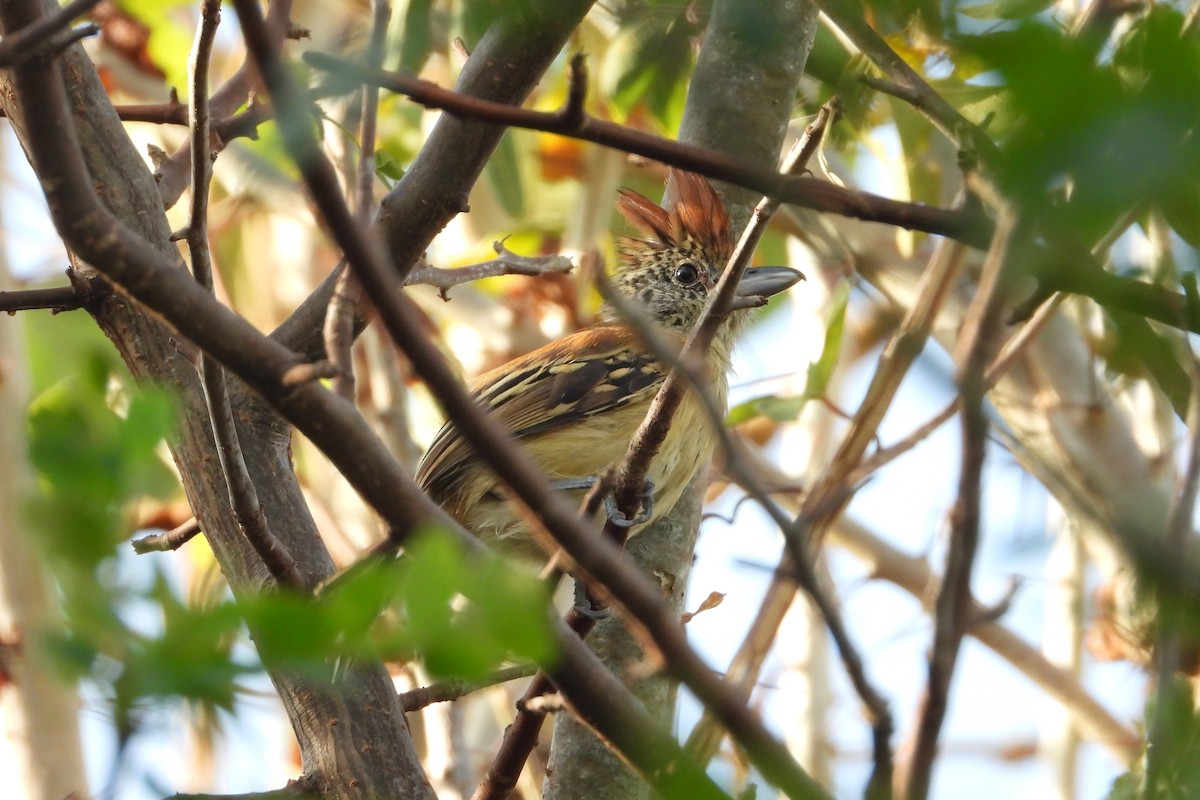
x,y
444,692
912,574
809,192
243,497
597,558
995,371
30,41
242,123
1063,272
506,263
828,495
173,539
1180,526
58,298
953,606
173,173
338,329
521,737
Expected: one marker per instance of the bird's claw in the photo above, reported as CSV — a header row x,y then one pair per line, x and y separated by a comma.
x,y
583,604
620,520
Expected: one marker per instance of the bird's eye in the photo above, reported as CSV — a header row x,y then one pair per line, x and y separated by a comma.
x,y
687,274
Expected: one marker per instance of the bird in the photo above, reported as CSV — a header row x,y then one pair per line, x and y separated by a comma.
x,y
575,402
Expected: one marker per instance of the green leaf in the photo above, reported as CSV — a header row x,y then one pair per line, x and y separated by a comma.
x,y
774,407
1106,132
466,613
512,607
820,372
417,43
388,166
92,461
192,658
647,63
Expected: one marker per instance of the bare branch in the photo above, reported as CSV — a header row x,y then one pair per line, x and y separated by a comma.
x,y
173,539
912,574
173,174
58,298
243,496
32,40
506,263
444,692
338,329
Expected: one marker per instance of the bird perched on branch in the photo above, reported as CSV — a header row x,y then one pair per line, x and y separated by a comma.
x,y
576,402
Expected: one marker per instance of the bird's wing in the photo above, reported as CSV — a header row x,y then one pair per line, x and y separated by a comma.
x,y
586,373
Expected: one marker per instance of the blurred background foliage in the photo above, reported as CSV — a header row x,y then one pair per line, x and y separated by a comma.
x,y
1093,108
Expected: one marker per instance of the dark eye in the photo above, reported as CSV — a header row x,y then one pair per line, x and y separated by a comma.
x,y
687,274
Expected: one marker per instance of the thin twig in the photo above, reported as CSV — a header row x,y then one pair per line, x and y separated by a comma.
x,y
347,295
505,263
1008,355
952,609
58,298
912,574
29,41
444,692
173,539
243,496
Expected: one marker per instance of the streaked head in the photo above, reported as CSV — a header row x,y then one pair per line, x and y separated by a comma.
x,y
672,271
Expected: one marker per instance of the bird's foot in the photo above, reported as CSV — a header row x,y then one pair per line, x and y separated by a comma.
x,y
620,520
